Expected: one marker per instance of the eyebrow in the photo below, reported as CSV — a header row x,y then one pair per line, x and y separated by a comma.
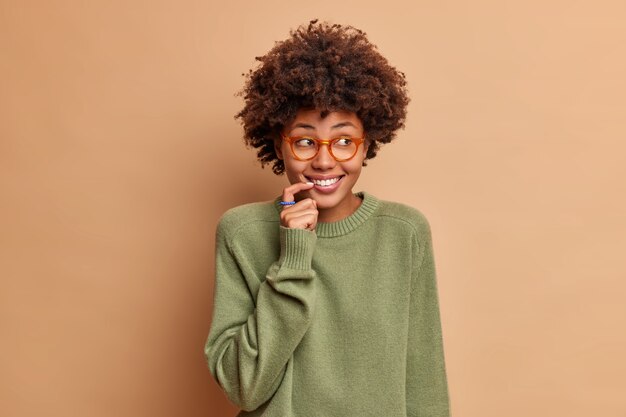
x,y
337,126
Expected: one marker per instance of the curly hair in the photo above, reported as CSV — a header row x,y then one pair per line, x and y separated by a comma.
x,y
326,67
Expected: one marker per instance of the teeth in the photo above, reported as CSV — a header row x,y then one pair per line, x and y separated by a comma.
x,y
325,183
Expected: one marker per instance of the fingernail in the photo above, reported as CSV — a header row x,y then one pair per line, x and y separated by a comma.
x,y
309,183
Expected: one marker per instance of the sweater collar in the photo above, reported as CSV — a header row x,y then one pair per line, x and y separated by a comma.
x,y
347,225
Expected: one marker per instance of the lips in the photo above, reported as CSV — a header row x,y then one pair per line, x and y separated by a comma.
x,y
326,184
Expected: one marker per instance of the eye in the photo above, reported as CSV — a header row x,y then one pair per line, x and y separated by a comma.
x,y
343,141
304,143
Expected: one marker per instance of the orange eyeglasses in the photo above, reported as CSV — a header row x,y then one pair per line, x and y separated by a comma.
x,y
305,148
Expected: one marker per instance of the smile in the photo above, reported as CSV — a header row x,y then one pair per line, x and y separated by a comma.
x,y
324,183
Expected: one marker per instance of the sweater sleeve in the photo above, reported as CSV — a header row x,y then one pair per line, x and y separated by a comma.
x,y
427,389
252,339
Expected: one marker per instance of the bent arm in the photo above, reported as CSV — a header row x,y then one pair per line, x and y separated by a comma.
x,y
251,341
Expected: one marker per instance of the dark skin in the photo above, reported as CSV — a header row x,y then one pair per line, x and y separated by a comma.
x,y
303,214
322,185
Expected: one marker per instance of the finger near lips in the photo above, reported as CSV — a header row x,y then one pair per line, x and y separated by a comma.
x,y
302,214
303,204
290,191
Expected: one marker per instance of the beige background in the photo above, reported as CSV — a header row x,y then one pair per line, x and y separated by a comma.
x,y
119,152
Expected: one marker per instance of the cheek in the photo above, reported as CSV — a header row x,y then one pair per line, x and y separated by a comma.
x,y
290,165
293,169
356,170
355,165
353,170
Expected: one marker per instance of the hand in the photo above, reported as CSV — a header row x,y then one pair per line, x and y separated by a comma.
x,y
303,214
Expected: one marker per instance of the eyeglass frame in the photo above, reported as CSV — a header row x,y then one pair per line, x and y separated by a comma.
x,y
291,139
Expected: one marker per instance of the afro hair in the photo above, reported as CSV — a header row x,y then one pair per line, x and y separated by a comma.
x,y
325,67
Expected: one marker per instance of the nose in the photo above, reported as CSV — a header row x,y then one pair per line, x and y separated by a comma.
x,y
323,160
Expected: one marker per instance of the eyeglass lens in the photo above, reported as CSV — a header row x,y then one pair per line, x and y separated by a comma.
x,y
340,148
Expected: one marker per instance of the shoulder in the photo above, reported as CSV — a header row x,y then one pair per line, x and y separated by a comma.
x,y
394,212
247,215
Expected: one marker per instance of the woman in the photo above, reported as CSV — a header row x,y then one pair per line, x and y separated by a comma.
x,y
325,300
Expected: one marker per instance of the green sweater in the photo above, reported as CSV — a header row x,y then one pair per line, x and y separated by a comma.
x,y
343,321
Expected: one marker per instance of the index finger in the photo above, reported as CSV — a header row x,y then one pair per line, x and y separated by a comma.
x,y
290,191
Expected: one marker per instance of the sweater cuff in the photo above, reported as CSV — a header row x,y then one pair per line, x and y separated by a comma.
x,y
296,248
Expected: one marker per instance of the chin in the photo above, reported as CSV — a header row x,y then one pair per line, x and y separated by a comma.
x,y
326,202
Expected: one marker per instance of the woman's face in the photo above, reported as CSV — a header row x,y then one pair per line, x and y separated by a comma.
x,y
333,180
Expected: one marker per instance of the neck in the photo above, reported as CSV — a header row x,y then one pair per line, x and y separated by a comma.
x,y
339,212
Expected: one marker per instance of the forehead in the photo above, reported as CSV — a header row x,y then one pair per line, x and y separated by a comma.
x,y
313,118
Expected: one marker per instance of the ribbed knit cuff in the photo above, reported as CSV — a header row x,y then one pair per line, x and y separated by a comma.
x,y
296,248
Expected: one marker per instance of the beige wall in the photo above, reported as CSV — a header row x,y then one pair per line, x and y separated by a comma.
x,y
119,151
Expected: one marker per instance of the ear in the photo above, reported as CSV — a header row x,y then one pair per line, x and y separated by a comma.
x,y
277,148
366,145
